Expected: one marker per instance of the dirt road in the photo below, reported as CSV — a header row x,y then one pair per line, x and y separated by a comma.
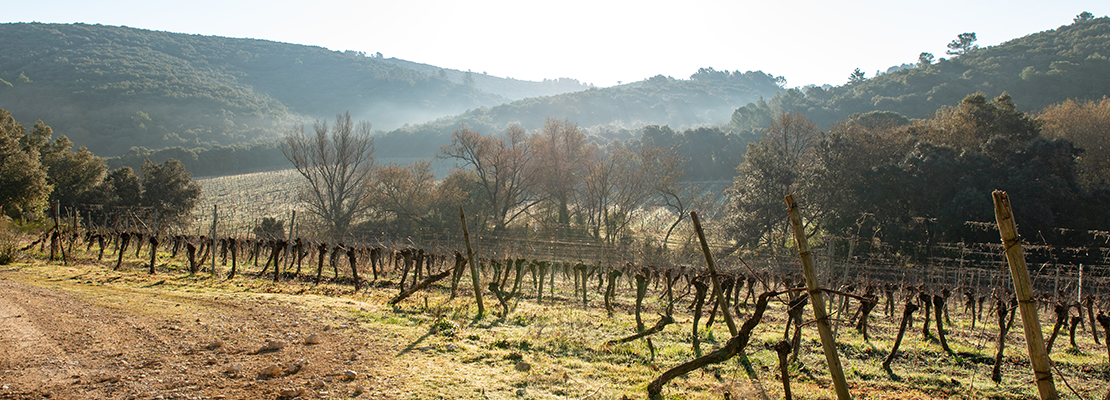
x,y
80,338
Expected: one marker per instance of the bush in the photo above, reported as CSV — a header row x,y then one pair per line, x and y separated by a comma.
x,y
9,243
270,228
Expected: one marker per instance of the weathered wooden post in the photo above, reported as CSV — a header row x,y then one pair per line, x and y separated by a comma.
x,y
722,302
815,295
213,239
54,236
1034,339
474,277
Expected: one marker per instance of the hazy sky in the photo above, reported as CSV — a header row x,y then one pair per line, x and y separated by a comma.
x,y
598,42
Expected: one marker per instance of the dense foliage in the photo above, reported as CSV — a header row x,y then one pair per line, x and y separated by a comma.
x,y
36,168
1043,68
909,184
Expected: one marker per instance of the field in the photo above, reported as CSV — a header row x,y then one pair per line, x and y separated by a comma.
x,y
86,331
243,200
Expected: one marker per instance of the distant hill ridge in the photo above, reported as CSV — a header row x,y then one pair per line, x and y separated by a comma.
x,y
111,88
509,88
1070,62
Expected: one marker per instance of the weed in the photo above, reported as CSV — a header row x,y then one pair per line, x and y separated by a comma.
x,y
521,320
9,242
444,327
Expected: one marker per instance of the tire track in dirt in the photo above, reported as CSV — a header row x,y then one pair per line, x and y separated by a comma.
x,y
66,337
30,360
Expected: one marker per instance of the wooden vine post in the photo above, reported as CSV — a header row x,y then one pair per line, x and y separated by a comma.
x,y
722,302
474,277
212,238
1015,257
818,300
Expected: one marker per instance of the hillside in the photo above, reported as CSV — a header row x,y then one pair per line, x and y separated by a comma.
x,y
112,88
509,88
120,91
708,97
1037,70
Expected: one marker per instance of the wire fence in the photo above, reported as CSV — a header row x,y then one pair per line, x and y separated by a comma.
x,y
1053,269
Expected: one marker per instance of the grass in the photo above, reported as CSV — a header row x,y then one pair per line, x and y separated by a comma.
x,y
442,351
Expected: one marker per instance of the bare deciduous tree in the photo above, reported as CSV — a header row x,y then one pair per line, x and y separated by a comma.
x,y
615,188
503,169
666,174
407,192
560,152
336,162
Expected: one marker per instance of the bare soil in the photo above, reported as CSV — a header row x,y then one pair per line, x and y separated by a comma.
x,y
87,335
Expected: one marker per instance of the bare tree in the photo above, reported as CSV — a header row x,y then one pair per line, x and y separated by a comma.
x,y
560,151
614,189
336,163
502,166
666,173
407,192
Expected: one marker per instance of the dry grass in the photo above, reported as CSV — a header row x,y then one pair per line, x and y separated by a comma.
x,y
438,350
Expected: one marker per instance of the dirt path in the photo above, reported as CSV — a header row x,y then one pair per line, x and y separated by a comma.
x,y
79,339
30,359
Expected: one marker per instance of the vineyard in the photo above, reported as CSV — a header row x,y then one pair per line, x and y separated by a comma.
x,y
559,307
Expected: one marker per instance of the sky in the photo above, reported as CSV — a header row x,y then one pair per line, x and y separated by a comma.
x,y
597,42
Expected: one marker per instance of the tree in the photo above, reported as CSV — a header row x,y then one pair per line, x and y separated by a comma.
x,y
852,179
459,189
126,186
964,43
614,189
666,172
1085,124
69,173
974,121
23,183
502,167
405,192
270,228
753,116
336,164
856,77
559,149
72,173
120,188
925,59
781,163
1083,16
170,190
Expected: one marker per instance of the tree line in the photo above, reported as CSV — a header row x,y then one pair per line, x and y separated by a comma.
x,y
907,184
37,169
553,175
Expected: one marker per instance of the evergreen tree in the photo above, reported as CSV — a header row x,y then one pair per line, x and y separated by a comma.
x,y
23,182
170,190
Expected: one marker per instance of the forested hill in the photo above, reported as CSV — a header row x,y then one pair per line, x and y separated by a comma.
x,y
509,88
120,91
112,88
1070,62
708,97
